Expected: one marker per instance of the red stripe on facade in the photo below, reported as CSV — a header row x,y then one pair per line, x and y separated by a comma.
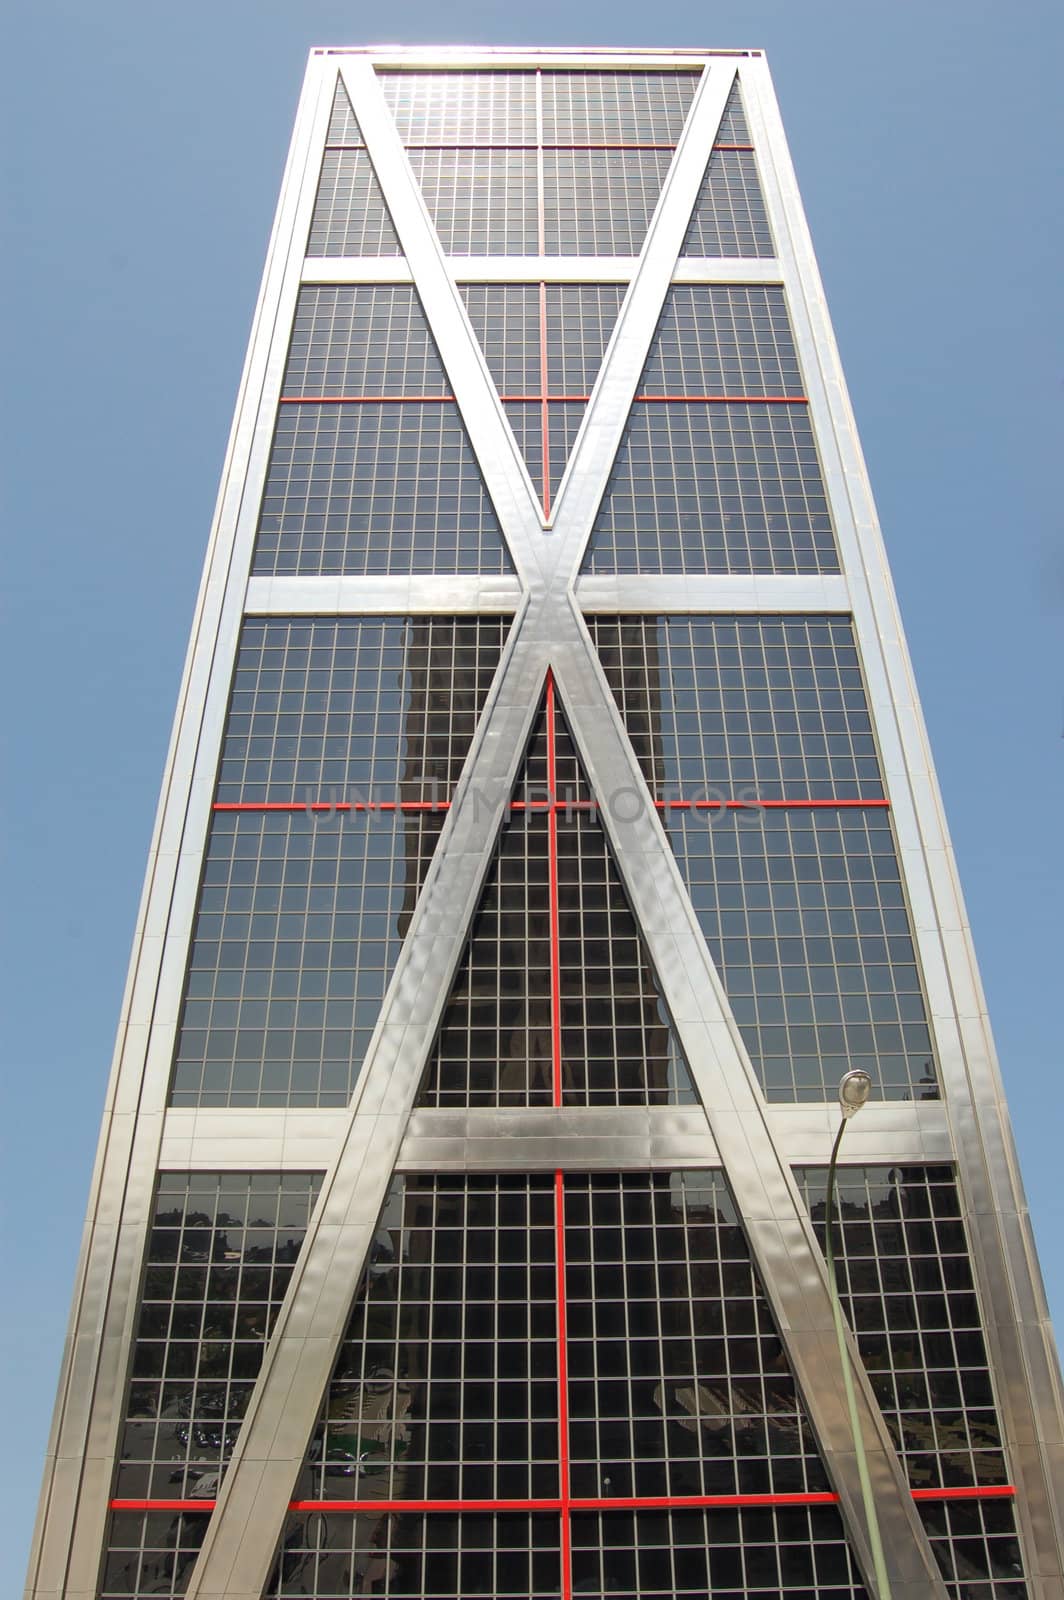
x,y
537,399
679,1502
768,805
331,805
531,148
733,147
1001,1491
725,399
563,1385
554,804
552,880
996,1491
544,414
424,1505
544,398
206,1506
364,399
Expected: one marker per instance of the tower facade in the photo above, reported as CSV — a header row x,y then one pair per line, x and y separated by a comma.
x,y
548,824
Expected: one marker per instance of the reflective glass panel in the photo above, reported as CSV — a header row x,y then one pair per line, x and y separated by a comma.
x,y
220,1255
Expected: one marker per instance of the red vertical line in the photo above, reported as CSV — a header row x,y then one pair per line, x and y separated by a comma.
x,y
540,197
563,1388
552,879
544,410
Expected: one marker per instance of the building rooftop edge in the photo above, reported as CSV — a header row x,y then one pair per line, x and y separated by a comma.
x,y
441,52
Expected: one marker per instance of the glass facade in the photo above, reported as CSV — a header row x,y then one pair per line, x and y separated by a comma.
x,y
906,1283
718,470
343,743
218,1261
755,737
548,831
555,1003
595,1351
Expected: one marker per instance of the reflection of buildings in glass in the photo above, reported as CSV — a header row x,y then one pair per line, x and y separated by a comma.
x,y
220,1253
906,1284
449,665
440,1372
632,667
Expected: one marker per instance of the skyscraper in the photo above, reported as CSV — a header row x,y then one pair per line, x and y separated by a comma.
x,y
548,825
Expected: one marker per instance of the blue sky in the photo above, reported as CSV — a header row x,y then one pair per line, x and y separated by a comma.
x,y
142,159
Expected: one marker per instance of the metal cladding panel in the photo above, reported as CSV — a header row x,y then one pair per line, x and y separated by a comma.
x,y
640,379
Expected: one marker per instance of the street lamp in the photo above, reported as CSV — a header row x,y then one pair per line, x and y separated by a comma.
x,y
854,1090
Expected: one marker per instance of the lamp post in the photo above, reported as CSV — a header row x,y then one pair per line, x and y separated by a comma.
x,y
854,1090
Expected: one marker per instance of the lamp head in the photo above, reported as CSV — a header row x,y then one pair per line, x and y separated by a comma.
x,y
854,1090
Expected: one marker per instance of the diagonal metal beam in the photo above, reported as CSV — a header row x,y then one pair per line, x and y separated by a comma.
x,y
548,631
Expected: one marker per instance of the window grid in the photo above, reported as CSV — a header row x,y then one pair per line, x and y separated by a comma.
x,y
299,926
543,342
724,339
804,916
343,743
715,488
555,1002
446,1384
600,202
449,1556
977,1549
563,425
494,1046
508,108
363,710
729,218
468,108
580,319
350,215
503,171
365,340
601,142
219,1257
755,739
616,107
904,1272
905,1281
773,1553
343,124
482,202
751,708
733,125
678,1383
621,1311
506,322
514,322
375,488
487,1311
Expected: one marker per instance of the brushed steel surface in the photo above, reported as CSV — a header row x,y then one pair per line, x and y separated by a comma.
x,y
304,1139
641,592
420,595
537,269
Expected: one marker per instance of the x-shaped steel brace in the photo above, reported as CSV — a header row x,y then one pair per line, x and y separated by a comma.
x,y
548,632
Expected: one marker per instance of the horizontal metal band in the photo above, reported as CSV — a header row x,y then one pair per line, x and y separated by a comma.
x,y
298,1138
540,269
401,595
647,593
540,399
